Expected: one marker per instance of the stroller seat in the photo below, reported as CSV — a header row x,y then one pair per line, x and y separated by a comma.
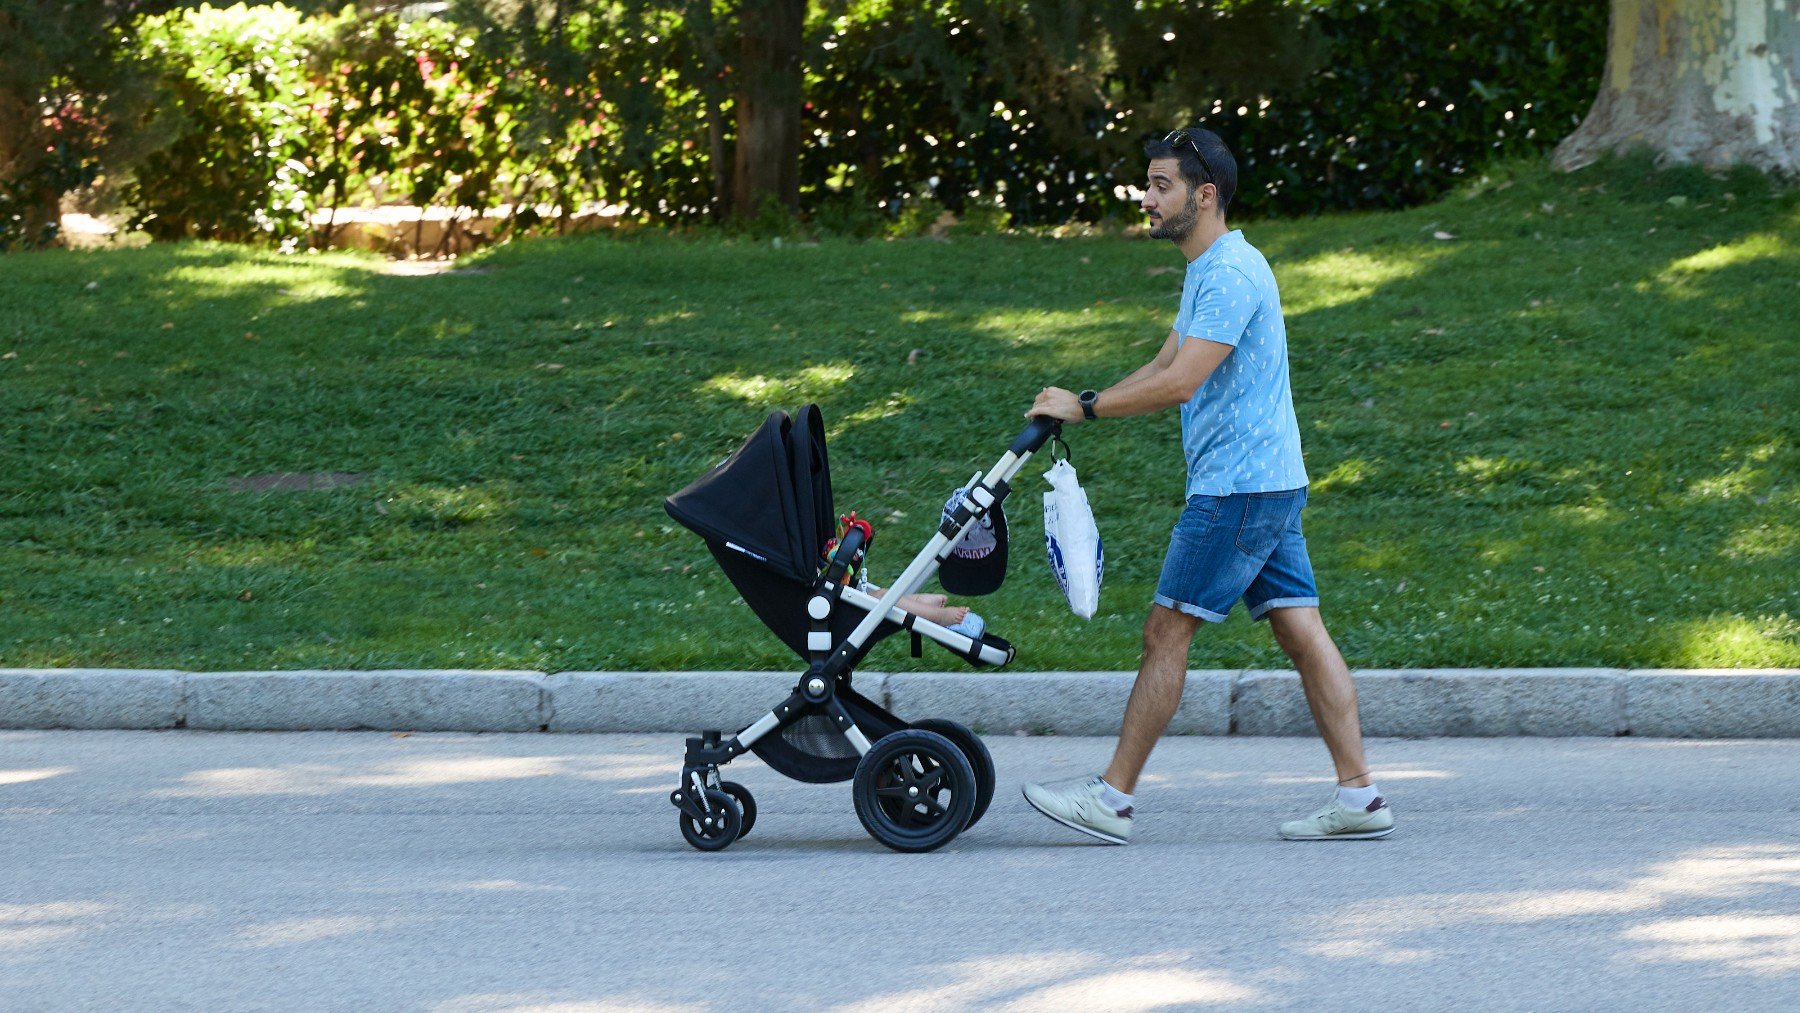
x,y
766,516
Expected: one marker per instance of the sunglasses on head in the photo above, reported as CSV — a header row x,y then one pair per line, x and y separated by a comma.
x,y
1175,137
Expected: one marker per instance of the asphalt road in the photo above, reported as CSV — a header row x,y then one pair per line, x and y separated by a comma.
x,y
228,871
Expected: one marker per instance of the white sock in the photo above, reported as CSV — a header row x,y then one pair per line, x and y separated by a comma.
x,y
1116,799
1357,798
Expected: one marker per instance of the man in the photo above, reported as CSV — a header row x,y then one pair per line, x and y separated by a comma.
x,y
1225,365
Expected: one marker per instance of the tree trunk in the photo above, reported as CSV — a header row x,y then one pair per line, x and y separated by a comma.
x,y
770,91
1698,81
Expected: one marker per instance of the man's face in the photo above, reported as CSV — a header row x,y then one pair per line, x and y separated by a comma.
x,y
1169,201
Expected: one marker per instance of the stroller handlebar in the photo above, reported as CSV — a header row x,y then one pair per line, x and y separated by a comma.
x,y
1036,434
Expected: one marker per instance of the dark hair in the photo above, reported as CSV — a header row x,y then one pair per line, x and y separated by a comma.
x,y
1204,158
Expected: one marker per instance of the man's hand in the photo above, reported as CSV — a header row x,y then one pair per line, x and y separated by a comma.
x,y
1056,403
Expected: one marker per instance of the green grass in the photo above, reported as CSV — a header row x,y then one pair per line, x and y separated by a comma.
x,y
1567,436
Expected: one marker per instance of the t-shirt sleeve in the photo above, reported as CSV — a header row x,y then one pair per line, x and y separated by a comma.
x,y
1223,307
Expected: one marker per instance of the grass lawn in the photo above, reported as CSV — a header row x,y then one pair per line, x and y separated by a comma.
x,y
1550,421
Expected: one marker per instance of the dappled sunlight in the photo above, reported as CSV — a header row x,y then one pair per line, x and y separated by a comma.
x,y
25,925
1067,980
299,931
1749,478
1348,474
447,505
1344,276
297,282
318,779
1591,514
890,407
1749,249
1756,944
528,1002
38,774
1383,773
813,383
1765,541
1750,875
506,886
1507,470
432,773
1357,949
1726,641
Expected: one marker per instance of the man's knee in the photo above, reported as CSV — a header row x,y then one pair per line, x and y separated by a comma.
x,y
1298,631
1169,629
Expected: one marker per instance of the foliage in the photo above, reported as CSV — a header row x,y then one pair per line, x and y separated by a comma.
x,y
62,90
1025,111
1563,436
1412,97
278,115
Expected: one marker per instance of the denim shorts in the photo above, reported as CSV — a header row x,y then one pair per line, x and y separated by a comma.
x,y
1247,545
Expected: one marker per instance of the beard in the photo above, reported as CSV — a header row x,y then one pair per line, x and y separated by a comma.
x,y
1177,228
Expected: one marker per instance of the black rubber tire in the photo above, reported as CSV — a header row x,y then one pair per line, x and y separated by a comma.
x,y
979,758
746,804
727,827
941,796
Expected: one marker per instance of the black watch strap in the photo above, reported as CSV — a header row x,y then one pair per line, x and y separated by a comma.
x,y
1088,398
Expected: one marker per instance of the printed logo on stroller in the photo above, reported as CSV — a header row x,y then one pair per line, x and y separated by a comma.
x,y
980,539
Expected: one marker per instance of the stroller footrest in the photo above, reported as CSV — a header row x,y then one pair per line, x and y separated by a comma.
x,y
990,651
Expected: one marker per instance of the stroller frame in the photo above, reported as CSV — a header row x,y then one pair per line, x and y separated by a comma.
x,y
714,813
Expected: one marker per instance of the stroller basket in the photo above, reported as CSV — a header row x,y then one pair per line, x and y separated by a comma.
x,y
766,514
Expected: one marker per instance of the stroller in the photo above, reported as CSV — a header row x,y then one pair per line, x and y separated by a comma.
x,y
766,514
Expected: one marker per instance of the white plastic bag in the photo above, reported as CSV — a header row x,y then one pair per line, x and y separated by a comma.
x,y
1072,541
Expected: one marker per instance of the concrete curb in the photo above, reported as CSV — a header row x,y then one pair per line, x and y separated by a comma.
x,y
1682,703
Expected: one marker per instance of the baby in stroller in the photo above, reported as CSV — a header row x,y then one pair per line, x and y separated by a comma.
x,y
767,516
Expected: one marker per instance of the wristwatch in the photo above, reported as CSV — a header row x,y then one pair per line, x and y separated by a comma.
x,y
1088,399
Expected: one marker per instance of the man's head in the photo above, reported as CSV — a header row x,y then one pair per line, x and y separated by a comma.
x,y
1199,160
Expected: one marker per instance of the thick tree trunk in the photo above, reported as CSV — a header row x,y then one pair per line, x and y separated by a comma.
x,y
770,90
1715,82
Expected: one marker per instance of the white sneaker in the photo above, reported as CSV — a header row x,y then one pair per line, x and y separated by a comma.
x,y
1339,822
1076,804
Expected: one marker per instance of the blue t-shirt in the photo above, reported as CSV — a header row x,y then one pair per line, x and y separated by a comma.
x,y
1238,430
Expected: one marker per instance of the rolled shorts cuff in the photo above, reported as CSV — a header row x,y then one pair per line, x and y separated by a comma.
x,y
1193,610
1264,609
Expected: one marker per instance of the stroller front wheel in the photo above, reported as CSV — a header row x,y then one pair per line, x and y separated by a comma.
x,y
746,804
915,790
722,824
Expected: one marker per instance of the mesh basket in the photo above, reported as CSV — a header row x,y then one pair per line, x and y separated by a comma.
x,y
812,749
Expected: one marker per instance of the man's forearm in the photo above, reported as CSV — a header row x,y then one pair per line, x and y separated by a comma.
x,y
1148,369
1148,390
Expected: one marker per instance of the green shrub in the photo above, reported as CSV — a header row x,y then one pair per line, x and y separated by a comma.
x,y
912,110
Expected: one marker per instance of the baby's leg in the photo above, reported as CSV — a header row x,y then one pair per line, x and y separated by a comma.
x,y
934,607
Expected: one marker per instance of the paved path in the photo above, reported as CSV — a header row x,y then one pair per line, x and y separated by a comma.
x,y
226,871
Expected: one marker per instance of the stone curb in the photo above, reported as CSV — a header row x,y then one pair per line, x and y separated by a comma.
x,y
1666,703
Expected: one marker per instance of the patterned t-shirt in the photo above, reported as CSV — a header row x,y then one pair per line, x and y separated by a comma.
x,y
1238,430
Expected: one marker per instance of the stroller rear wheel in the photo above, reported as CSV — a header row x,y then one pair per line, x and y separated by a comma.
x,y
979,758
746,804
914,790
716,831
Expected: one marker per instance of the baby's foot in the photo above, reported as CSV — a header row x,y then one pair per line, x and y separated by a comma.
x,y
938,611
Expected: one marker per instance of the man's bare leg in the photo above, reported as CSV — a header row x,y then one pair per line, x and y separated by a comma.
x,y
1329,690
1162,674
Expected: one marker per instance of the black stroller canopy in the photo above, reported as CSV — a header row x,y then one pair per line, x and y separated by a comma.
x,y
770,500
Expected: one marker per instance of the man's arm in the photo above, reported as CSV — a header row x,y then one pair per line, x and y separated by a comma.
x,y
1223,311
1163,358
1147,390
